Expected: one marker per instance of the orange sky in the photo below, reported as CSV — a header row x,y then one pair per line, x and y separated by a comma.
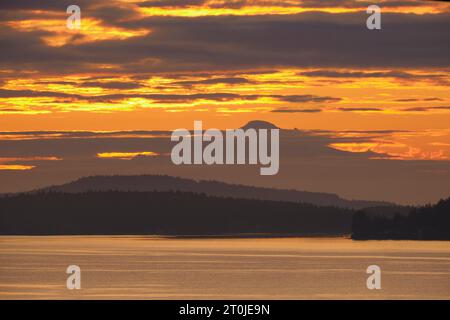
x,y
110,93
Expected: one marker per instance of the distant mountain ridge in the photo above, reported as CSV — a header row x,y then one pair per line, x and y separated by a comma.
x,y
164,183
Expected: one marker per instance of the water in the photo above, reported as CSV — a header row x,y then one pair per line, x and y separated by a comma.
x,y
161,268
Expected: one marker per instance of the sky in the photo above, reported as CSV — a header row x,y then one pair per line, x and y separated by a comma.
x,y
369,109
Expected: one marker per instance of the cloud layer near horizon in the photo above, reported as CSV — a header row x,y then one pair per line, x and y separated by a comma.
x,y
310,160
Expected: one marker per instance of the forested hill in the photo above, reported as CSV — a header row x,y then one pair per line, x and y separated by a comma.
x,y
162,213
146,183
423,223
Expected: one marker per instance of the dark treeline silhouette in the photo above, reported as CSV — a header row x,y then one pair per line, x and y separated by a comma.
x,y
146,183
162,213
424,223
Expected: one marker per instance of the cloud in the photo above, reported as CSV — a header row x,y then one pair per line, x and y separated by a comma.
x,y
69,135
15,167
238,4
161,97
417,100
37,158
425,109
5,93
47,5
111,85
212,81
373,74
10,110
125,155
288,110
306,98
177,44
171,3
360,109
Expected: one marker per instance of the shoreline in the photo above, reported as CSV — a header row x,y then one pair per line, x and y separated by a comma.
x,y
187,236
220,236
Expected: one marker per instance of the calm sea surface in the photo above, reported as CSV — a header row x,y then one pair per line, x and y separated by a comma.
x,y
161,268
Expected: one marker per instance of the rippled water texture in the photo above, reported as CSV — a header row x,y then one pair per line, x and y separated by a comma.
x,y
161,268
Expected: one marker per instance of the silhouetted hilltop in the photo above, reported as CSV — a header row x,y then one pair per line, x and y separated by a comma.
x,y
259,124
145,183
162,213
423,223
